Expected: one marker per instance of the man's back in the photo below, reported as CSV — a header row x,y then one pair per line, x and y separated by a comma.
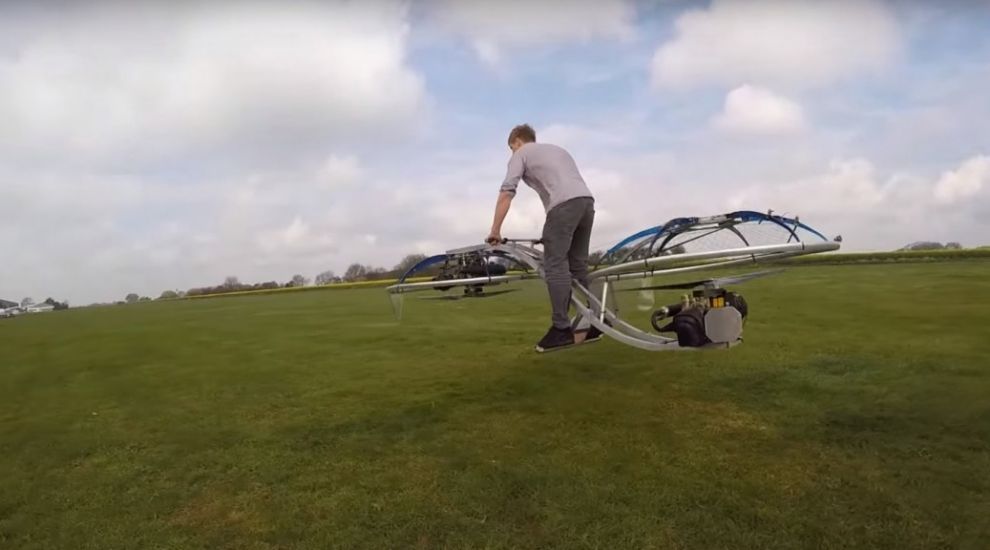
x,y
566,237
549,170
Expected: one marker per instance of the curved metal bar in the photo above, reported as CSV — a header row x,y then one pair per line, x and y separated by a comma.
x,y
423,263
631,252
617,322
672,236
760,215
749,215
635,237
647,263
628,339
655,232
700,267
738,234
810,230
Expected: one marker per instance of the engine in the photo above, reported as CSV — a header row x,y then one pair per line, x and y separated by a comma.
x,y
469,266
706,316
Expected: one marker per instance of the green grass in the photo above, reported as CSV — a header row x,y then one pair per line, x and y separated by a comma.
x,y
894,256
857,414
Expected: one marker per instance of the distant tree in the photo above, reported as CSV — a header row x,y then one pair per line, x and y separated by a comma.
x,y
131,298
299,280
408,262
168,295
620,253
231,283
27,302
56,304
595,257
355,272
374,273
144,299
924,245
953,246
326,278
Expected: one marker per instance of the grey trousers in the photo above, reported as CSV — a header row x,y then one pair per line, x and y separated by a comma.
x,y
566,238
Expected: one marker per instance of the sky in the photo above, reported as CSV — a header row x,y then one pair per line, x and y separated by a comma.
x,y
147,146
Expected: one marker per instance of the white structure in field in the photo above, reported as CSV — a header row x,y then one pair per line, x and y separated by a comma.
x,y
8,308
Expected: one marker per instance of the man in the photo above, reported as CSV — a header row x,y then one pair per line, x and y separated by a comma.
x,y
570,208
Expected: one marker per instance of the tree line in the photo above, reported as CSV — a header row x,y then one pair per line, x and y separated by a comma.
x,y
355,272
932,245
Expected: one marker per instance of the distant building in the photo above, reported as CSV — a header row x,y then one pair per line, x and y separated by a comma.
x,y
40,308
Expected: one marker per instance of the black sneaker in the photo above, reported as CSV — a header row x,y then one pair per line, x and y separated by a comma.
x,y
556,338
594,334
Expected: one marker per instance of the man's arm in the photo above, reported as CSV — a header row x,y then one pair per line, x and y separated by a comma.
x,y
512,177
501,209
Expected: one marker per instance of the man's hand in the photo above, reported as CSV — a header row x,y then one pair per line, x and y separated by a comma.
x,y
495,237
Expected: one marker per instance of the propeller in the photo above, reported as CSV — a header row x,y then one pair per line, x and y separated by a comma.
x,y
462,296
646,298
397,300
716,282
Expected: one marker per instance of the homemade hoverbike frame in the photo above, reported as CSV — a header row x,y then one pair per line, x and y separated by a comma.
x,y
645,254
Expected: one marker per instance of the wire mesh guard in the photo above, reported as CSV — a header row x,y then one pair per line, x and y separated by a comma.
x,y
736,230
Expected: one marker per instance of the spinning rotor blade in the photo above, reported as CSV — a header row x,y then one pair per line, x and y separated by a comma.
x,y
494,293
716,282
670,286
646,298
397,300
736,279
463,296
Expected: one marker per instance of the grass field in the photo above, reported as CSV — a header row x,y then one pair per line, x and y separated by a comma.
x,y
856,415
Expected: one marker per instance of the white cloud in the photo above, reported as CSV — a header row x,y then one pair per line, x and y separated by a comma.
x,y
965,182
493,27
754,110
793,43
339,170
150,146
117,82
848,192
874,211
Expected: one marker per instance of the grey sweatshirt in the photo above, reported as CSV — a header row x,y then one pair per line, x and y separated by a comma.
x,y
549,170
